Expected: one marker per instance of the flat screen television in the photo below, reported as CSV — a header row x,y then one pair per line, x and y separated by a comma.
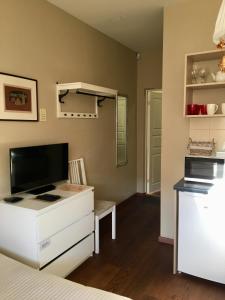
x,y
37,166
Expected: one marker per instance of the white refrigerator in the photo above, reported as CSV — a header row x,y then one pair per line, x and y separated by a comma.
x,y
201,235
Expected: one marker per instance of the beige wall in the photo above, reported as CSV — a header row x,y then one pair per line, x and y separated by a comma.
x,y
42,42
188,28
149,77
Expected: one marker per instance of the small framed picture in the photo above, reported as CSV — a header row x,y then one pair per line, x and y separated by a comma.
x,y
18,98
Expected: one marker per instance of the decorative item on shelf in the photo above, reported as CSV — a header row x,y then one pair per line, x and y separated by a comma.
x,y
222,64
198,75
193,109
219,33
221,44
220,75
223,108
202,75
212,109
201,148
194,73
202,109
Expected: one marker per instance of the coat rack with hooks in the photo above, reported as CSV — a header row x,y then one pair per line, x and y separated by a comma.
x,y
99,93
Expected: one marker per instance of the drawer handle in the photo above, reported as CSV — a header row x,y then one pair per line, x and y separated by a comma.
x,y
44,244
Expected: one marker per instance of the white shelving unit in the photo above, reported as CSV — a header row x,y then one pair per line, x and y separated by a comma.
x,y
203,93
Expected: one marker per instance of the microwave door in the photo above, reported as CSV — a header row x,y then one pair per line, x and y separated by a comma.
x,y
203,168
207,169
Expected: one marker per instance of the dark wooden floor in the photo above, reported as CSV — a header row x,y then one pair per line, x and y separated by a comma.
x,y
136,265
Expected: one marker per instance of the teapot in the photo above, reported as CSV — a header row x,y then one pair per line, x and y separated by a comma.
x,y
220,76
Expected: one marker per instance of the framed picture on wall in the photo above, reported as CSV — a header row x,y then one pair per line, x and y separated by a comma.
x,y
18,98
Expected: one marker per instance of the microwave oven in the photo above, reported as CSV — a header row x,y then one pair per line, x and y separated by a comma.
x,y
204,169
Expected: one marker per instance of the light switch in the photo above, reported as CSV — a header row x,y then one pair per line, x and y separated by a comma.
x,y
43,115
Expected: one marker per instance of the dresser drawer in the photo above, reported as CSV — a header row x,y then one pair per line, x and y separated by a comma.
x,y
63,240
62,216
71,259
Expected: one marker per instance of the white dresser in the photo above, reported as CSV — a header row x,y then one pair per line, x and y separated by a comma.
x,y
54,237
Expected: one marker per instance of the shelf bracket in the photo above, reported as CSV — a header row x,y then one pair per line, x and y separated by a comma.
x,y
100,100
61,96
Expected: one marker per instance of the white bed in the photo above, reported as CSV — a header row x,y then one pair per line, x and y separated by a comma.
x,y
21,282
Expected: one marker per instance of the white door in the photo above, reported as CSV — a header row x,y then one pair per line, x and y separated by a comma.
x,y
153,140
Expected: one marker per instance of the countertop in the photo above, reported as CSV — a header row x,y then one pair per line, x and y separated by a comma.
x,y
193,187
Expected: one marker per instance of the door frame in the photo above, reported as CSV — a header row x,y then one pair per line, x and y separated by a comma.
x,y
147,140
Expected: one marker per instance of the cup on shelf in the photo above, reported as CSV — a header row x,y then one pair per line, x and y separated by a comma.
x,y
212,109
203,109
192,109
223,108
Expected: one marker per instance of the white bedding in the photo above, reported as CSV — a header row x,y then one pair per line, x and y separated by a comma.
x,y
20,282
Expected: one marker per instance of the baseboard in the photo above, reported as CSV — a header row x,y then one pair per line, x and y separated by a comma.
x,y
165,240
140,194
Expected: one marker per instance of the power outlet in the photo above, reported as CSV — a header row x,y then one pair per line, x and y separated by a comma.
x,y
43,115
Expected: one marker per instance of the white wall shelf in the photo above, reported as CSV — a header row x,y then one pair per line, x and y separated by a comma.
x,y
99,93
205,116
207,85
203,93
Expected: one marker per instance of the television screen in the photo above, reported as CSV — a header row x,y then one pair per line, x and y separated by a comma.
x,y
36,166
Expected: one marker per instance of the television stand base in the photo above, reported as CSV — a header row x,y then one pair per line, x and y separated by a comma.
x,y
42,189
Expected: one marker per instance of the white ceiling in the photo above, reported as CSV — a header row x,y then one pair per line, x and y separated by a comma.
x,y
136,24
